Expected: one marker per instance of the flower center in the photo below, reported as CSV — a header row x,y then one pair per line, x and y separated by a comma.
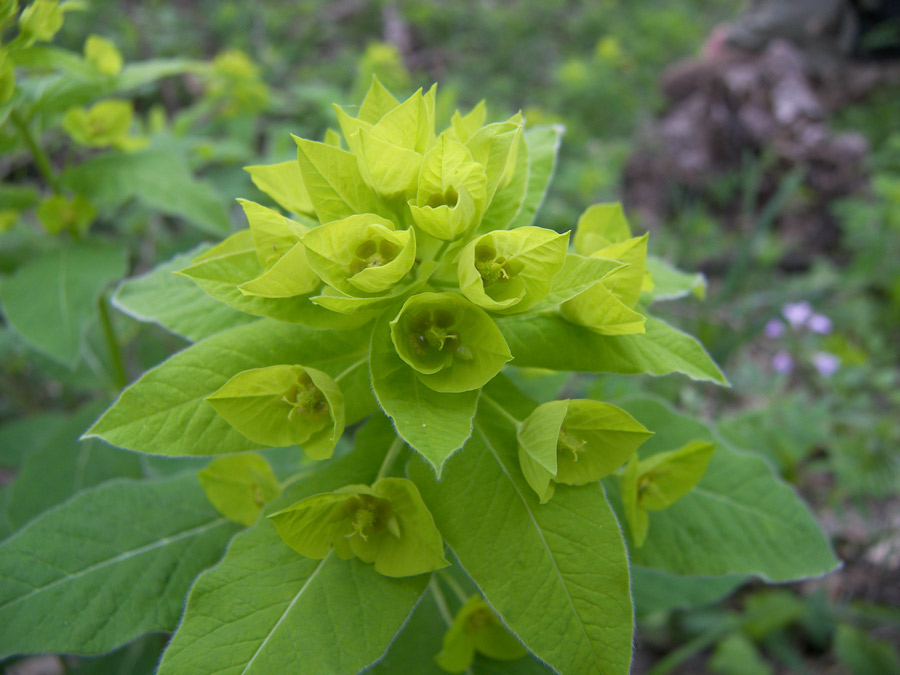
x,y
305,399
448,198
430,332
372,253
493,269
569,443
478,620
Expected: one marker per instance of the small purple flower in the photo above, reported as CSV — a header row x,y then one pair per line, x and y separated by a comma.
x,y
782,363
819,323
827,364
774,329
797,313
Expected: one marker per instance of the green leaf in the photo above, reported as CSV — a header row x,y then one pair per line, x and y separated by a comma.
x,y
239,486
284,405
274,598
551,342
111,564
507,201
509,271
103,55
577,275
601,311
862,655
377,103
25,435
737,655
735,521
433,423
51,299
543,149
476,628
389,168
62,466
452,345
165,412
159,177
656,591
283,182
273,234
600,226
387,524
670,283
333,181
175,302
626,283
559,582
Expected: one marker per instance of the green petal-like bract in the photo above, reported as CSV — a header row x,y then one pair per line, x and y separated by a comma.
x,y
387,524
239,486
575,442
477,628
452,344
284,405
361,255
510,271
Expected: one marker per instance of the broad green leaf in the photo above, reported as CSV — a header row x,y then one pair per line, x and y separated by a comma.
x,y
111,564
575,442
63,466
274,598
433,423
161,178
333,181
556,573
387,524
864,655
658,591
543,148
165,412
284,405
600,226
22,436
51,299
377,103
510,271
409,125
735,521
225,268
553,343
737,655
452,345
176,303
283,182
361,254
239,486
670,283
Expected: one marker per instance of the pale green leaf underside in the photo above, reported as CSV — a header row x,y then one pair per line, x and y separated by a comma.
x,y
740,518
176,303
557,573
51,299
435,424
548,341
164,412
543,147
671,283
110,564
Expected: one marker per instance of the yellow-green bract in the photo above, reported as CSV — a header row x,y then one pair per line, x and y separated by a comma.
x,y
476,628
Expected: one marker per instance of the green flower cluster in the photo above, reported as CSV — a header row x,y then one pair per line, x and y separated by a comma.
x,y
418,233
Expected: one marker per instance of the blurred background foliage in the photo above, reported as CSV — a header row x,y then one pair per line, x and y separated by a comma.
x,y
813,352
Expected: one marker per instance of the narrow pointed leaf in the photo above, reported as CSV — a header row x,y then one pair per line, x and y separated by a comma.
x,y
110,564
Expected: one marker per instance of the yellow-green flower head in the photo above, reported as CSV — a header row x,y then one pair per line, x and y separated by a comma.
x,y
103,124
387,524
360,255
510,271
575,442
477,629
452,191
452,344
284,405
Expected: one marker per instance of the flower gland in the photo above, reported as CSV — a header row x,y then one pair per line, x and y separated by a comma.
x,y
448,197
492,268
479,619
430,333
370,515
373,252
306,399
569,443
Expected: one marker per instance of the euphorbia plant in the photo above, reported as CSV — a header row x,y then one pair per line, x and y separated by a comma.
x,y
391,308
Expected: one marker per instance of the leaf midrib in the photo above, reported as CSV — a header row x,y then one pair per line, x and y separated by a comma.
x,y
540,532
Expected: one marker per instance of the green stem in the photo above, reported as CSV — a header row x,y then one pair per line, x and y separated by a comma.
x,y
516,422
119,377
440,601
389,458
441,251
296,477
454,586
40,157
